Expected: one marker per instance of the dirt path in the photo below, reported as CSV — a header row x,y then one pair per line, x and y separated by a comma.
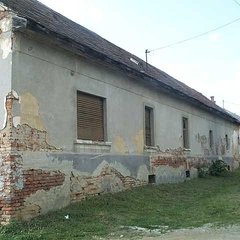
x,y
230,233
203,233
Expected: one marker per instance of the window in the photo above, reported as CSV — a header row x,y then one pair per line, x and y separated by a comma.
x,y
211,139
185,133
90,117
227,142
149,141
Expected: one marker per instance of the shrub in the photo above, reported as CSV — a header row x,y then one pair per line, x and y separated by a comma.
x,y
217,168
203,171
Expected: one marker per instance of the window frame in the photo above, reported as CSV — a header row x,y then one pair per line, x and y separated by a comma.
x,y
151,123
211,139
185,133
227,143
104,116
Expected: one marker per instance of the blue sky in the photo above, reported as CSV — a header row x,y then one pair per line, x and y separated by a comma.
x,y
209,64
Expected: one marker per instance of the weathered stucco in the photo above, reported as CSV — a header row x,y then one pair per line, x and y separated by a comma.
x,y
18,183
119,145
43,166
39,68
30,112
5,62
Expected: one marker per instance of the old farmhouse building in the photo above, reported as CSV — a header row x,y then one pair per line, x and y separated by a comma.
x,y
80,116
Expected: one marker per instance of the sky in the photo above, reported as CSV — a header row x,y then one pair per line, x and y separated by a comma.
x,y
210,64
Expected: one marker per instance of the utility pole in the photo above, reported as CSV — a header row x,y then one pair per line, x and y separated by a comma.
x,y
146,54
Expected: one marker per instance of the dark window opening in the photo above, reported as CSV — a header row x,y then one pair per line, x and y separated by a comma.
x,y
185,133
149,141
187,173
227,142
90,117
211,139
152,178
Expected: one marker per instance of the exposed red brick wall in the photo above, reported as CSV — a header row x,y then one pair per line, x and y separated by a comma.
x,y
37,179
17,184
177,160
168,160
198,162
22,137
90,185
12,199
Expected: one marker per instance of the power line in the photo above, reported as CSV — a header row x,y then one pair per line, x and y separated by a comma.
x,y
195,36
237,2
237,104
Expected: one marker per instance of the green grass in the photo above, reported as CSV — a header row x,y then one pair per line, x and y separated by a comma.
x,y
194,203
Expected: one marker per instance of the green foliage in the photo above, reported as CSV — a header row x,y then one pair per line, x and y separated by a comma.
x,y
217,168
189,204
203,171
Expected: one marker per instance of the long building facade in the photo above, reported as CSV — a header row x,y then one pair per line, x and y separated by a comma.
x,y
81,116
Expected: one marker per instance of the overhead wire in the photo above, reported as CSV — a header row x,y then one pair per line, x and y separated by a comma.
x,y
196,36
237,104
237,2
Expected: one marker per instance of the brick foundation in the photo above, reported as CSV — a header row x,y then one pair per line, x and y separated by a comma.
x,y
175,159
109,180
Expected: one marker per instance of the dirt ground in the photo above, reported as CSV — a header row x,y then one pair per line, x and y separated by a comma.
x,y
203,233
231,233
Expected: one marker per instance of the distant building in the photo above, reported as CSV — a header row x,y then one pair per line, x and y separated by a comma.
x,y
83,117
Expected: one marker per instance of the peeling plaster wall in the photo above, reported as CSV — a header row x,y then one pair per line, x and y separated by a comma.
x,y
29,112
51,76
36,177
52,180
16,183
171,166
39,182
43,167
5,63
86,175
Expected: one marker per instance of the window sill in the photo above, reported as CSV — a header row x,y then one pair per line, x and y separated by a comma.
x,y
90,142
156,149
88,146
187,151
151,149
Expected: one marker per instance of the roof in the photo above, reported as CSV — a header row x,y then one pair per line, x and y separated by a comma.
x,y
45,20
233,115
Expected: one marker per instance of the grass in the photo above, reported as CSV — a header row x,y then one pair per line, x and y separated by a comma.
x,y
193,203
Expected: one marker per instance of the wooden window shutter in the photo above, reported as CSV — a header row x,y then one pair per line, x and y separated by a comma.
x,y
148,126
185,133
90,117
